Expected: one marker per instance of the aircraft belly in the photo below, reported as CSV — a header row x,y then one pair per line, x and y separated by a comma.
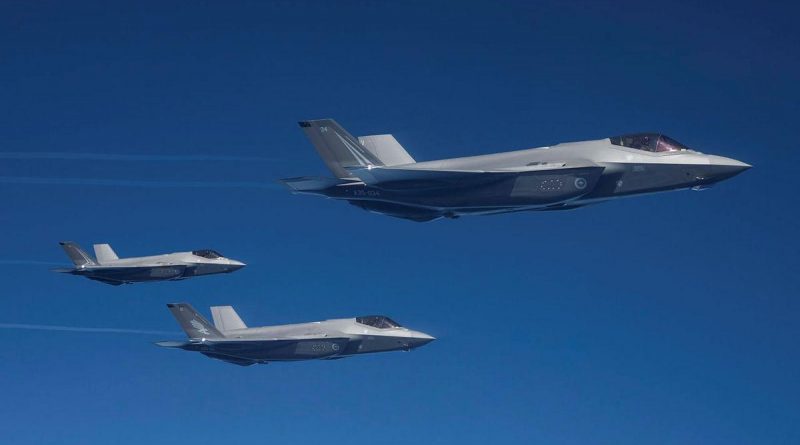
x,y
139,273
165,273
539,188
281,350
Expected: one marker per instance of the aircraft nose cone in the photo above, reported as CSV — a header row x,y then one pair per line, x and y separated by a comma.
x,y
235,265
421,339
728,162
721,168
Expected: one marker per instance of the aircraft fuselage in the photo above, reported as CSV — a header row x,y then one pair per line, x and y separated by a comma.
x,y
563,176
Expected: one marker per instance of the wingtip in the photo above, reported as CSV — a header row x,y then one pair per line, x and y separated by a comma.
x,y
170,344
311,122
287,182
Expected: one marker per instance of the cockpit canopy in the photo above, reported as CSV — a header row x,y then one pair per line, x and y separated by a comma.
x,y
657,143
207,253
378,321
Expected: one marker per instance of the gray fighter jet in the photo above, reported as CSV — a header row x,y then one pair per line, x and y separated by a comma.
x,y
110,269
377,174
229,340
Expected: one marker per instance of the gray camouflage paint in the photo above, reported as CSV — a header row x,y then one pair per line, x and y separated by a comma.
x,y
326,340
117,271
560,177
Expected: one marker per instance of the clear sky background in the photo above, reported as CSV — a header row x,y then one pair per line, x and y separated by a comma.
x,y
668,319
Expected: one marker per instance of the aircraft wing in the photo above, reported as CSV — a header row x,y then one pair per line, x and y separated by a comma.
x,y
193,346
125,274
135,268
230,359
247,351
388,177
246,344
108,281
314,183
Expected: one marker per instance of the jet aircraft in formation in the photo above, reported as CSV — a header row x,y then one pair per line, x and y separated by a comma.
x,y
230,340
377,174
108,268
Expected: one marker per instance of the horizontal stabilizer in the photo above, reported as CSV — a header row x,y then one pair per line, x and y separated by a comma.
x,y
314,183
386,148
173,344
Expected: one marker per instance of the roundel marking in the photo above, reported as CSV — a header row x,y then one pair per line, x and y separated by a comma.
x,y
580,183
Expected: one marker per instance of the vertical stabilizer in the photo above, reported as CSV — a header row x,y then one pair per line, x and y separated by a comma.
x,y
104,253
337,147
226,319
194,324
76,254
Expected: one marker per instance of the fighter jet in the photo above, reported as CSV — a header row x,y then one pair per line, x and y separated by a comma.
x,y
229,340
377,174
110,269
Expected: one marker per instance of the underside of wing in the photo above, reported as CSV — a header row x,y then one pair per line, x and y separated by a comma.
x,y
417,214
108,281
229,359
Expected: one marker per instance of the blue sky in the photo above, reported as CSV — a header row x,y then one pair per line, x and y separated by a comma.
x,y
668,319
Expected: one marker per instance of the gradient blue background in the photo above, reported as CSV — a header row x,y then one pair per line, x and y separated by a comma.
x,y
669,319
